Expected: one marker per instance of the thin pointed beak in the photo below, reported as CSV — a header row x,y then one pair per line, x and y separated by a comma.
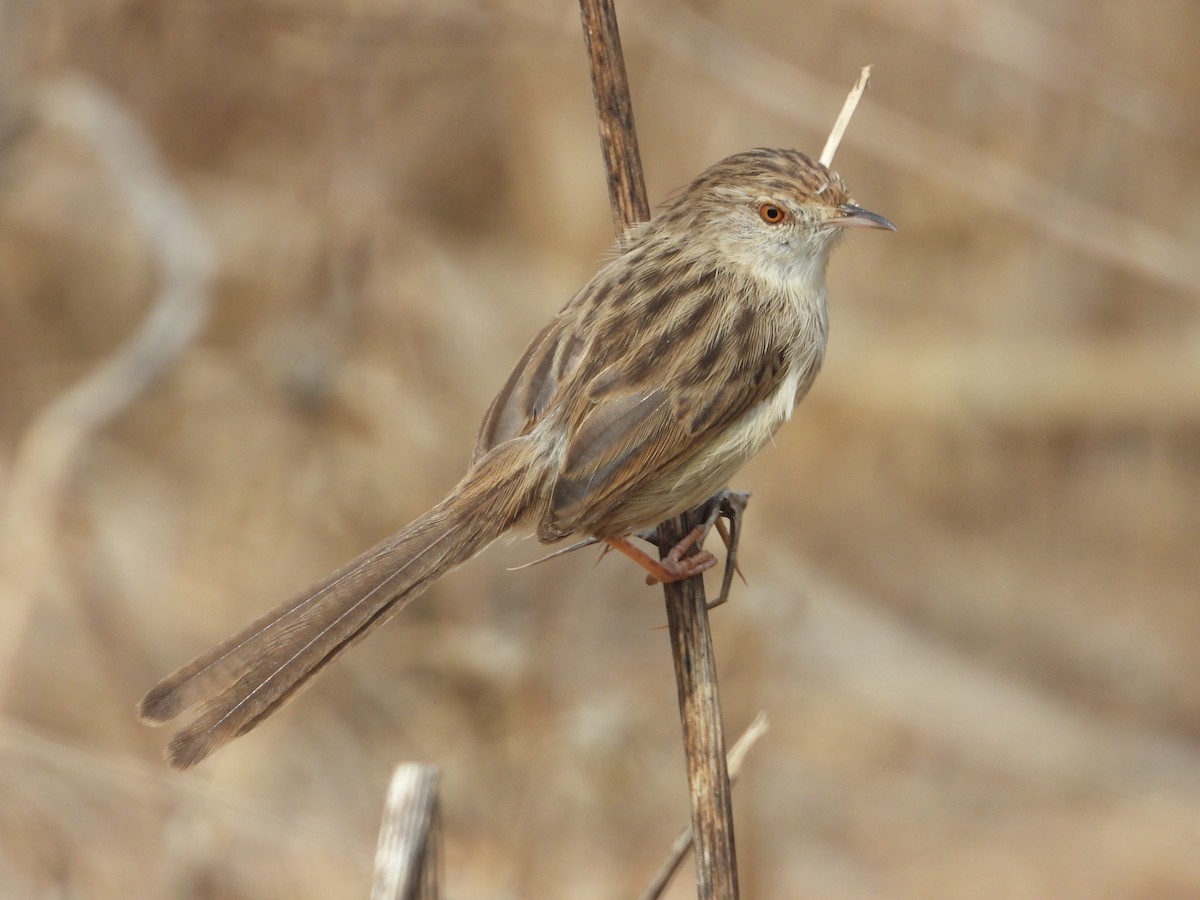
x,y
856,217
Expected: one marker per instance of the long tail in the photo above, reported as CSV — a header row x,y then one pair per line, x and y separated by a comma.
x,y
228,690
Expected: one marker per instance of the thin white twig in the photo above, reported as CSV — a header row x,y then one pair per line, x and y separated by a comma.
x,y
683,843
843,119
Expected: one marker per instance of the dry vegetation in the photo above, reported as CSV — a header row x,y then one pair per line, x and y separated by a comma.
x,y
973,604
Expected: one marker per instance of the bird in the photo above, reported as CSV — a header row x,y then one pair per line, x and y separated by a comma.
x,y
668,370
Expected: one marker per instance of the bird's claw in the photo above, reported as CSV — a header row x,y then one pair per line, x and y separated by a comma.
x,y
725,504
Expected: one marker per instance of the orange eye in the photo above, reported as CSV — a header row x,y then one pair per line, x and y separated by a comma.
x,y
772,214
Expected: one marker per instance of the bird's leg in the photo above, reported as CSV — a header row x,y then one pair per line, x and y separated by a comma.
x,y
730,505
725,504
672,567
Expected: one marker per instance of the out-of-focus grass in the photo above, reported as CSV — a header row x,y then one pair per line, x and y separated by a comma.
x,y
971,556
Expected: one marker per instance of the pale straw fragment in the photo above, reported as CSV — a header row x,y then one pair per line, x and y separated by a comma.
x,y
843,119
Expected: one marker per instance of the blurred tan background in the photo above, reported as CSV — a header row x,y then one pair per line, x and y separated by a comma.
x,y
972,613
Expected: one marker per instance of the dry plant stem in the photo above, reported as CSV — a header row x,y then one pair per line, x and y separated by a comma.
x,y
614,115
48,453
406,859
843,119
700,716
687,606
683,843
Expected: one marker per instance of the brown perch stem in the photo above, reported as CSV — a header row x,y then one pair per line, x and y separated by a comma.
x,y
687,606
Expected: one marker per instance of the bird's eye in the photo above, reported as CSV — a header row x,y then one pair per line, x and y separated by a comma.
x,y
772,214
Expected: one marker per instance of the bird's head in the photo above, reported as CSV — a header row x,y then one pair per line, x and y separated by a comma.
x,y
777,211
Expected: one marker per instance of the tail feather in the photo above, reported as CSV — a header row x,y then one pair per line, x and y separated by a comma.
x,y
228,690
